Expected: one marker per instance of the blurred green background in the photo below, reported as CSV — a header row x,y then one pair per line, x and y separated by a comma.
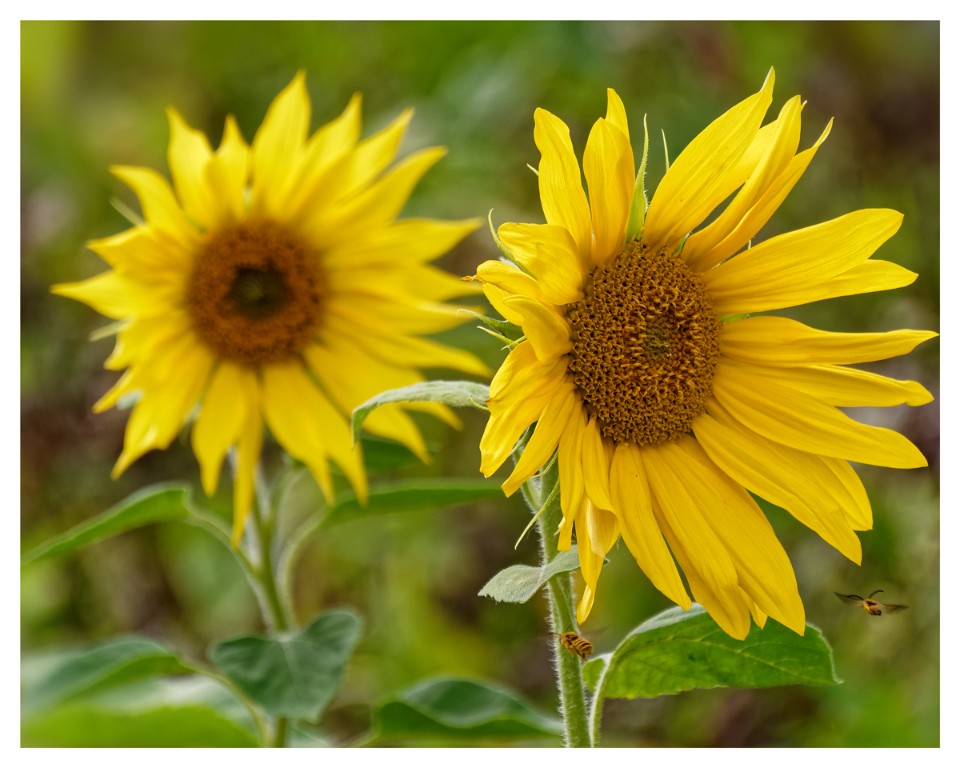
x,y
93,94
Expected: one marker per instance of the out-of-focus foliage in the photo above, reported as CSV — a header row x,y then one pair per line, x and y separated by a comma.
x,y
94,94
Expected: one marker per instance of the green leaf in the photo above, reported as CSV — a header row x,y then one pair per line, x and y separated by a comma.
x,y
183,712
680,650
151,505
457,394
295,674
519,583
51,678
413,496
462,710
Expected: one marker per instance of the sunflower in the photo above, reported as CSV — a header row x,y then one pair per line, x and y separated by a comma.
x,y
669,402
272,285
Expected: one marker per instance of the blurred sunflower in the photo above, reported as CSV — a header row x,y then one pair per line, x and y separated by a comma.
x,y
273,285
664,402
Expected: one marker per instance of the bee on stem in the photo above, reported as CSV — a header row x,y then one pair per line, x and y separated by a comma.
x,y
576,645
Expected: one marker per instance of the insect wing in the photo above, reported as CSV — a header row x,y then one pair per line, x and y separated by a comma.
x,y
891,608
851,599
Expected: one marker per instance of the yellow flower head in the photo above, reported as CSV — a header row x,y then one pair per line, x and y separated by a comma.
x,y
664,403
272,284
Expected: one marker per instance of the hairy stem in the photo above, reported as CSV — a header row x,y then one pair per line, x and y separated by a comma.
x,y
573,693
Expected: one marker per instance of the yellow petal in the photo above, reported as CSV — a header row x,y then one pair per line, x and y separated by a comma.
x,y
762,565
277,148
775,157
758,215
226,176
108,293
249,446
142,251
793,268
569,454
407,351
374,207
780,341
164,407
546,330
616,114
550,254
350,376
561,190
232,393
706,172
704,559
630,492
608,167
313,429
597,532
596,457
514,408
546,436
849,387
188,155
800,421
869,277
796,481
158,203
857,504
401,243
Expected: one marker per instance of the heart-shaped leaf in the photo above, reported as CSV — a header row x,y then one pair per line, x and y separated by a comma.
x,y
295,674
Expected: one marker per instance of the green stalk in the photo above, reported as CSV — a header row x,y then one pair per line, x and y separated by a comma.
x,y
276,611
573,693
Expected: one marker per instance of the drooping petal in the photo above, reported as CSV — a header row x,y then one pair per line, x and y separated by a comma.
x,y
797,481
596,457
632,503
702,556
597,532
314,430
763,568
232,393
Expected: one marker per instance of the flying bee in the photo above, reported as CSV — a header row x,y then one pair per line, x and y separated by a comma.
x,y
575,644
871,606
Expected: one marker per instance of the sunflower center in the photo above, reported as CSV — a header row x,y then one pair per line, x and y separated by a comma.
x,y
646,342
256,293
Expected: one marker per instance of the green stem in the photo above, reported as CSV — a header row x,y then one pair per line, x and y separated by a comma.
x,y
573,693
277,611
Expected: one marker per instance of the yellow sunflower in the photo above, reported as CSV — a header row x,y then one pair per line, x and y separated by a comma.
x,y
667,405
272,285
